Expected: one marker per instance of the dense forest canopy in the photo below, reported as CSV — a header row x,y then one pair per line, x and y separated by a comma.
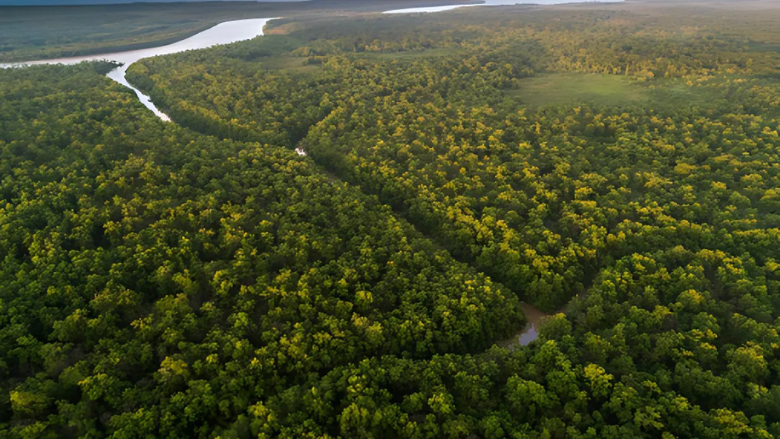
x,y
617,166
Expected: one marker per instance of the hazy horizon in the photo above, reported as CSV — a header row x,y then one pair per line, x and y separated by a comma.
x,y
113,2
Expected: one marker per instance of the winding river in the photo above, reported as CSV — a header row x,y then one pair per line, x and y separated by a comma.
x,y
240,30
223,33
231,32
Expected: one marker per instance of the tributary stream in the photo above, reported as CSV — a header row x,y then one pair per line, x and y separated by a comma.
x,y
240,30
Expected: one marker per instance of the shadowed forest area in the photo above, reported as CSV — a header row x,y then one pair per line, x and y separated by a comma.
x,y
616,166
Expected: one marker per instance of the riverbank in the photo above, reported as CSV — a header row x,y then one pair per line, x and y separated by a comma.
x,y
223,33
41,32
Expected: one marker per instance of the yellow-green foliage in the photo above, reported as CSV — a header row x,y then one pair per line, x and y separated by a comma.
x,y
200,279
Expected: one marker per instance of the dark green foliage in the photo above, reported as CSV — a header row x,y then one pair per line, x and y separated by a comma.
x,y
200,279
146,269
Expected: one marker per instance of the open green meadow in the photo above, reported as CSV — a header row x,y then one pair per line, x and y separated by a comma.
x,y
573,88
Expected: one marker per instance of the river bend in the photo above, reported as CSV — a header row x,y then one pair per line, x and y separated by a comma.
x,y
240,30
223,33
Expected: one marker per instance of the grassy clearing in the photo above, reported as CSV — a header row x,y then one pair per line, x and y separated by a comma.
x,y
571,88
673,94
613,90
407,55
289,64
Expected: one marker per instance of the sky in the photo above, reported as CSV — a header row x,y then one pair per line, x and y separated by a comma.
x,y
99,2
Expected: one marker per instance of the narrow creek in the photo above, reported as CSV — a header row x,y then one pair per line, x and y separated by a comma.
x,y
240,30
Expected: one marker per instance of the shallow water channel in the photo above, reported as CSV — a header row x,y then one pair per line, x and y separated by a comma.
x,y
531,330
240,30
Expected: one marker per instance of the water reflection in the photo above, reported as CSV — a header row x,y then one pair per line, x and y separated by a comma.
x,y
496,3
223,33
428,9
531,330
